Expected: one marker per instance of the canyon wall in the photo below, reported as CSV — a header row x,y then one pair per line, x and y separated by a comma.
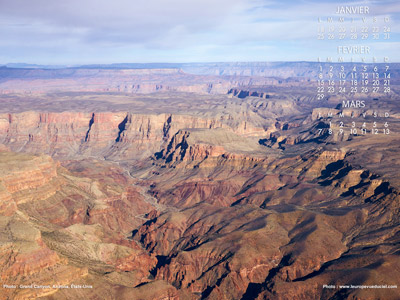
x,y
119,135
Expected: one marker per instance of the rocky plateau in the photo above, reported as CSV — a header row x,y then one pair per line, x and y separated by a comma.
x,y
195,181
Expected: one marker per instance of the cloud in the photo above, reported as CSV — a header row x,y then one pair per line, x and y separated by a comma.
x,y
44,31
118,21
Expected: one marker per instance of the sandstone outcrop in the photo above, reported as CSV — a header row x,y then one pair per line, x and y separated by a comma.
x,y
60,226
117,135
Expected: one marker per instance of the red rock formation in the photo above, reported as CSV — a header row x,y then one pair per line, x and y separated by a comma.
x,y
48,224
115,135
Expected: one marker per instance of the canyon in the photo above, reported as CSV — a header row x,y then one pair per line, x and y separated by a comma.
x,y
194,181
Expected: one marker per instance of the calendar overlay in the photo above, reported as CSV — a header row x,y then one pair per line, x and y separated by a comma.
x,y
356,75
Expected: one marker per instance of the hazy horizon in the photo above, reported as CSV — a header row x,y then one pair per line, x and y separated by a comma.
x,y
173,64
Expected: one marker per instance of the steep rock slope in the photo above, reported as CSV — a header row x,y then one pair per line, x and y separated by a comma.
x,y
60,228
277,227
118,135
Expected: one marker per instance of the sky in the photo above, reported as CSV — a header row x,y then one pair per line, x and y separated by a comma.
x,y
73,32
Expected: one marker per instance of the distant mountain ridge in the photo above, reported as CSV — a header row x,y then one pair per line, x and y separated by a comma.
x,y
283,70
